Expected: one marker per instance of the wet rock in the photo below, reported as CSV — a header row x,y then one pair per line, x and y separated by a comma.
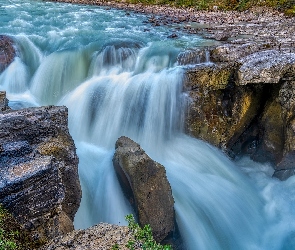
x,y
268,66
3,101
39,170
144,182
221,116
100,237
272,136
218,110
7,52
208,76
173,35
193,56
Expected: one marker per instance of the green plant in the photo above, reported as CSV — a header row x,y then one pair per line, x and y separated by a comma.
x,y
7,238
143,235
115,247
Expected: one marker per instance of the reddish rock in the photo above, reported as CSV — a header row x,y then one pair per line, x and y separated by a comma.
x,y
7,51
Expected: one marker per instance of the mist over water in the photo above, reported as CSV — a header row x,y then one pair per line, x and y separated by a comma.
x,y
118,79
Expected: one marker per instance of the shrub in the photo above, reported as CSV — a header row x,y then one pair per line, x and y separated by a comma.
x,y
144,236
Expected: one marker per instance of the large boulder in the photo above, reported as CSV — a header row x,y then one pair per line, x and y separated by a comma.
x,y
244,103
145,184
7,51
99,237
39,170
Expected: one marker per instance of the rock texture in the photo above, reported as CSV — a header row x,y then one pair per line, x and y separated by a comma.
x,y
7,51
243,103
39,169
218,110
100,237
145,184
268,66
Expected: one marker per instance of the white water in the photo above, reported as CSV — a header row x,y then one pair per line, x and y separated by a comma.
x,y
116,79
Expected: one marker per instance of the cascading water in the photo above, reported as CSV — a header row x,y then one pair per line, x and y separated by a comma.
x,y
118,79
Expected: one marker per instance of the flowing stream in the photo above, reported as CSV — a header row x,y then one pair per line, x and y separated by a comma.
x,y
120,76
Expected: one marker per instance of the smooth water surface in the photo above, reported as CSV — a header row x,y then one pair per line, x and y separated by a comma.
x,y
119,76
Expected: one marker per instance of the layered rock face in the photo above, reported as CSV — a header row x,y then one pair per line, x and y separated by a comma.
x,y
38,169
145,184
7,51
243,103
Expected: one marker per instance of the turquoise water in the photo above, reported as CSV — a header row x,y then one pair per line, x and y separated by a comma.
x,y
119,76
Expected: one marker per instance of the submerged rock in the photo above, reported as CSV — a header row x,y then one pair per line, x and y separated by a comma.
x,y
7,51
39,170
146,186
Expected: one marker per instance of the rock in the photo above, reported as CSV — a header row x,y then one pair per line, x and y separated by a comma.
x,y
7,51
222,36
233,52
100,237
145,182
195,56
209,77
39,170
218,110
268,66
173,35
271,141
3,101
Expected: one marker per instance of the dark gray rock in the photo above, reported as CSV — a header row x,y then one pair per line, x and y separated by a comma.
x,y
145,182
7,52
39,170
3,101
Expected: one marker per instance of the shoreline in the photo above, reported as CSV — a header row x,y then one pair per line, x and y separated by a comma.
x,y
262,24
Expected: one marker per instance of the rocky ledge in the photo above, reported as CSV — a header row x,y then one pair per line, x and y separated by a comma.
x,y
100,237
243,102
39,181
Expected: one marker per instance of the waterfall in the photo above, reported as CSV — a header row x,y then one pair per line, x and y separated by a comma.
x,y
118,79
215,204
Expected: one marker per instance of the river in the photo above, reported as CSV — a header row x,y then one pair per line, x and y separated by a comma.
x,y
119,76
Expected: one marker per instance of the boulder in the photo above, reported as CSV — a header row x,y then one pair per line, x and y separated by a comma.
x,y
39,170
7,51
99,237
145,183
268,66
233,52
